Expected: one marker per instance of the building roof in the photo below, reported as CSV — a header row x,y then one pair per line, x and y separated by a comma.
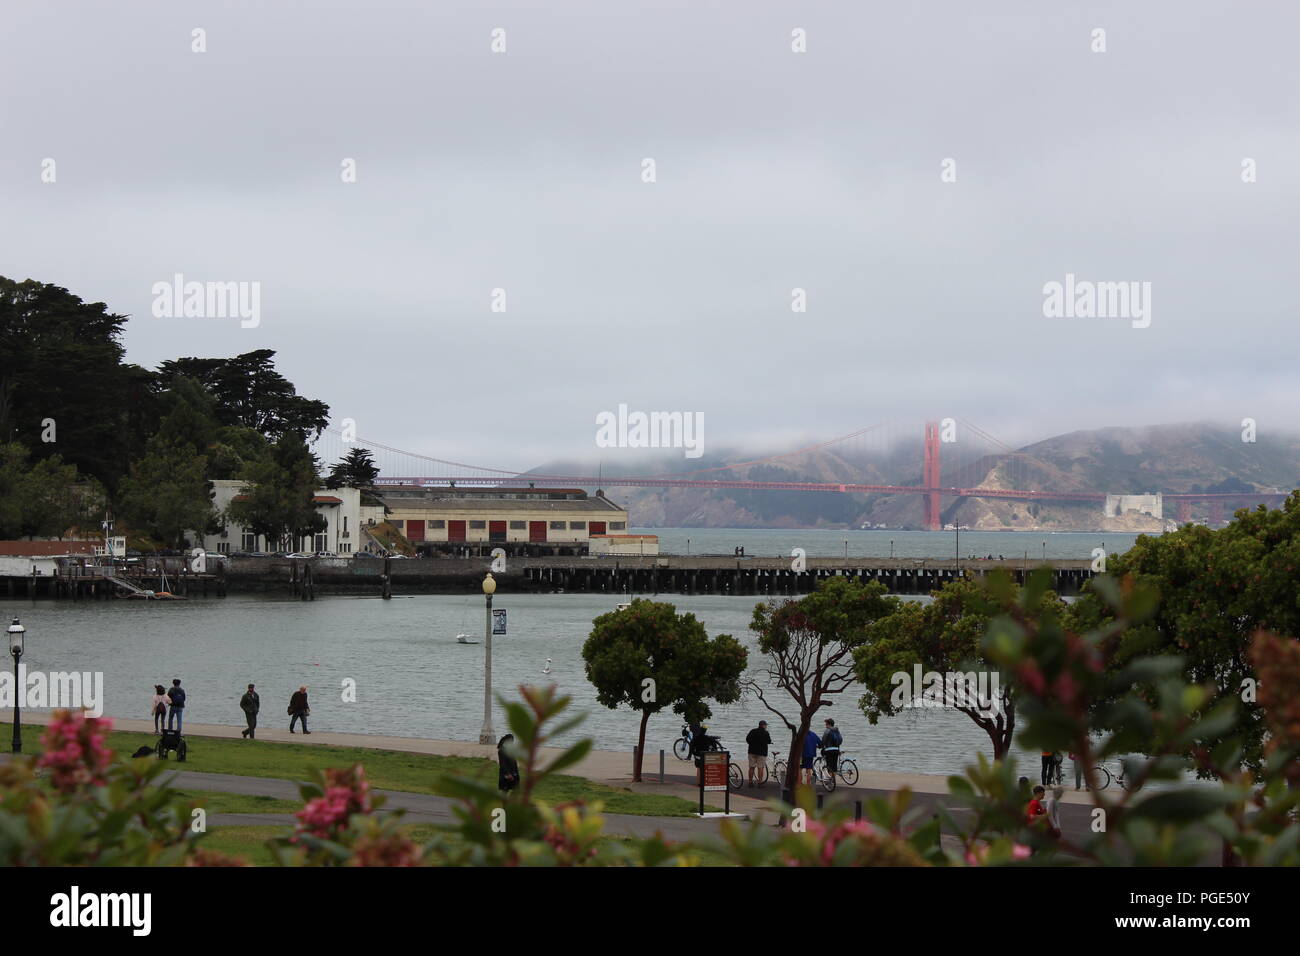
x,y
503,505
44,549
327,500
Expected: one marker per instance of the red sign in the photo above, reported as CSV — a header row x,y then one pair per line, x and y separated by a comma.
x,y
715,770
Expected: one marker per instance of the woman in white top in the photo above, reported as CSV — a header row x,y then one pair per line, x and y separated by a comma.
x,y
158,707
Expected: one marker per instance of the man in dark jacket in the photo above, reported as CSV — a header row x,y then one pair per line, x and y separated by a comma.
x,y
298,709
758,740
507,766
250,704
176,715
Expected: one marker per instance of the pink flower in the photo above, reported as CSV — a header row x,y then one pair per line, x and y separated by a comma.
x,y
75,750
346,792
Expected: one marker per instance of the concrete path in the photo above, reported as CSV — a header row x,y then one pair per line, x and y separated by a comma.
x,y
610,767
604,766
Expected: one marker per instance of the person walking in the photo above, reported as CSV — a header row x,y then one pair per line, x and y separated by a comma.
x,y
176,695
298,709
810,744
158,707
831,741
507,766
1077,762
758,740
250,704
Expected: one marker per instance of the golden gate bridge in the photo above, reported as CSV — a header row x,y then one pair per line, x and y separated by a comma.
x,y
957,460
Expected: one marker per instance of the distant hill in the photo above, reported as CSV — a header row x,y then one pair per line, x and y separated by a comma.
x,y
1158,458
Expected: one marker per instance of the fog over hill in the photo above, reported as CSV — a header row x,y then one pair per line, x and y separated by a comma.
x,y
1185,457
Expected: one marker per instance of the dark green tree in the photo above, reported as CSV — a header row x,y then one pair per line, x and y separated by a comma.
x,y
356,469
943,638
808,646
251,393
46,498
1216,589
649,657
277,500
61,362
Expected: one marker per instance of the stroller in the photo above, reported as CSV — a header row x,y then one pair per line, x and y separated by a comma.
x,y
171,740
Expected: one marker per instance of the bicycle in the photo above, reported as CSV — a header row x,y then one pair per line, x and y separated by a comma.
x,y
846,769
682,745
821,778
1101,778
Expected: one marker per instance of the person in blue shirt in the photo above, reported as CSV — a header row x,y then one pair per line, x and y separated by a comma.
x,y
810,744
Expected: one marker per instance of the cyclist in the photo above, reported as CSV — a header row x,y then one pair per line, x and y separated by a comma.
x,y
831,741
758,740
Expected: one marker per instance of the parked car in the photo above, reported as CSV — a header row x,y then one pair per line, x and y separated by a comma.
x,y
325,554
300,554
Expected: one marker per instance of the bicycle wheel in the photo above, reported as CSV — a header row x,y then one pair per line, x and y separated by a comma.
x,y
778,773
681,749
825,778
849,771
735,776
1099,779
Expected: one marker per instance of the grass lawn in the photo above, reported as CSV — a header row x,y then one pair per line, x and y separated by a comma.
x,y
386,770
250,842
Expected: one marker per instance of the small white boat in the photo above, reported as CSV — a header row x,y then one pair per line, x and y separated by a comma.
x,y
465,639
622,607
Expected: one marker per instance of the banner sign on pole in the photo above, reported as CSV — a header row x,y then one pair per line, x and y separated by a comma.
x,y
499,621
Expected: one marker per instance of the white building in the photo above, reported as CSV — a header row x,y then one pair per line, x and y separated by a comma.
x,y
340,507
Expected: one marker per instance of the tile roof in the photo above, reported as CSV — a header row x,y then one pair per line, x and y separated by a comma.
x,y
44,549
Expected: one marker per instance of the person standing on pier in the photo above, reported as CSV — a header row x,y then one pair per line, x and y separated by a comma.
x,y
177,713
298,709
758,741
158,707
250,704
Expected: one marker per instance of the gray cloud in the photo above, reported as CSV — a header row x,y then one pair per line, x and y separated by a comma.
x,y
775,170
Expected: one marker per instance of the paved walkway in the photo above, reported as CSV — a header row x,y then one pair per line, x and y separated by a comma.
x,y
610,767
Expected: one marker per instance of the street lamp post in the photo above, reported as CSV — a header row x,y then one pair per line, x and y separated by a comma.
x,y
16,636
486,736
958,526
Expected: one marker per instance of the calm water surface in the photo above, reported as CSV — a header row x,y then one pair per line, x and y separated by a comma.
x,y
412,678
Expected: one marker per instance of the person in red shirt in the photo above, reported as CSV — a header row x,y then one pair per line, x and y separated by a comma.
x,y
1036,811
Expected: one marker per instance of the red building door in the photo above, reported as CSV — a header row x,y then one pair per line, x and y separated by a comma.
x,y
537,531
496,531
596,527
455,531
415,530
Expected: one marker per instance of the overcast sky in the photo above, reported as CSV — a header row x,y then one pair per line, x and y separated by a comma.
x,y
774,170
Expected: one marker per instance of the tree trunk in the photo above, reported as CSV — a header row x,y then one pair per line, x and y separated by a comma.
x,y
640,747
796,754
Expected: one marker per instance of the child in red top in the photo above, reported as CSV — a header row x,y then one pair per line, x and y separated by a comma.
x,y
1036,810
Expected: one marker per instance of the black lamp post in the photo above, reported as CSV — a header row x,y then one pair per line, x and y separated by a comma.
x,y
16,633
